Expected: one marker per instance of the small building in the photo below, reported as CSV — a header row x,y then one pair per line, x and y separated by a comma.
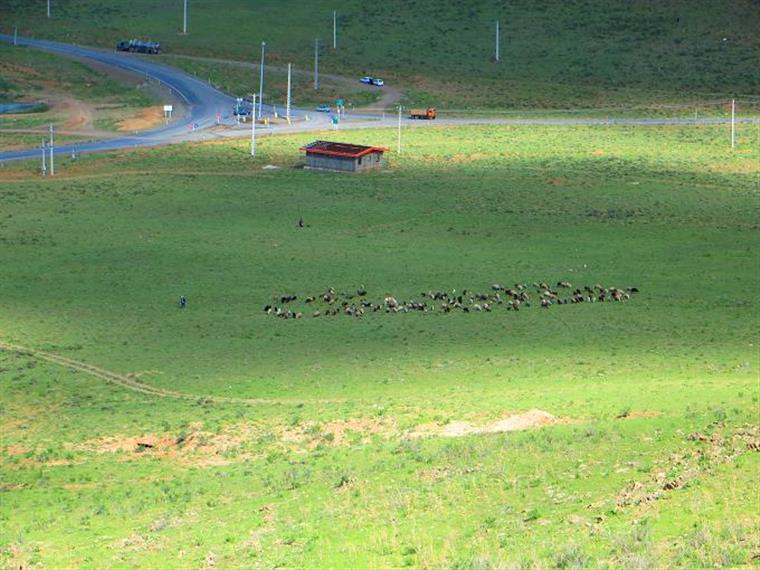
x,y
343,157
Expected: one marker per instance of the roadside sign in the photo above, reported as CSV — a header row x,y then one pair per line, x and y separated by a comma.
x,y
168,108
340,102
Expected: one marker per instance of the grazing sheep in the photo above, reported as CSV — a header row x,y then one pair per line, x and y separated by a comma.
x,y
329,296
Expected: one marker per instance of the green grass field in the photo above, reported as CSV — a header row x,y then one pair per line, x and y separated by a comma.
x,y
338,458
585,54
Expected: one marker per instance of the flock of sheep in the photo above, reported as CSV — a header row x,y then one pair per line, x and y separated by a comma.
x,y
515,298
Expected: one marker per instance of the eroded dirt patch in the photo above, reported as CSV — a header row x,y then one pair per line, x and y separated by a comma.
x,y
704,451
637,414
515,422
16,450
146,119
337,432
196,448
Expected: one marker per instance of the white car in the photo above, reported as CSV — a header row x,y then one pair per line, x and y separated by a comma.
x,y
366,79
377,82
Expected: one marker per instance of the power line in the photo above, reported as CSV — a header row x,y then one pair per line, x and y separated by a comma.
x,y
316,64
498,47
52,163
261,80
398,144
287,101
253,128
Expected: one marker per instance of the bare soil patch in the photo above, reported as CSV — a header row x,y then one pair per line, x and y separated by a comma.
x,y
638,414
78,113
146,119
196,448
515,422
336,433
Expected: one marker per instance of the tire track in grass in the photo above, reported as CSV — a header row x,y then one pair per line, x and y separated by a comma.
x,y
125,381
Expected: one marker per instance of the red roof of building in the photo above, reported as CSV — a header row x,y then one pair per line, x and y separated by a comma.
x,y
341,149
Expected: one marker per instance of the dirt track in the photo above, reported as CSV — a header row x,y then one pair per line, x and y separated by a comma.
x,y
126,381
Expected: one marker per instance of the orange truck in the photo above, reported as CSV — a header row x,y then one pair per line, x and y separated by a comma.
x,y
428,113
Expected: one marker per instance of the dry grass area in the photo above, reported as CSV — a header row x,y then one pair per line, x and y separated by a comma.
x,y
144,119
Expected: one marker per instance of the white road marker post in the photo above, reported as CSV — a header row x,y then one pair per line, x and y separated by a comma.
x,y
287,101
733,123
52,163
316,64
48,8
253,127
335,29
261,80
15,35
184,18
44,167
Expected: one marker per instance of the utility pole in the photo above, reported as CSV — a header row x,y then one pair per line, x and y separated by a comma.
x,y
398,145
733,123
498,47
253,128
52,163
316,64
184,18
261,80
48,8
287,101
44,167
335,29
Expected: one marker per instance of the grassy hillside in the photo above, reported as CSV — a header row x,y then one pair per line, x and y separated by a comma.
x,y
29,74
554,54
72,96
342,460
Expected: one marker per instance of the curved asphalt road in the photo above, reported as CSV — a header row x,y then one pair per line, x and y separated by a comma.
x,y
204,103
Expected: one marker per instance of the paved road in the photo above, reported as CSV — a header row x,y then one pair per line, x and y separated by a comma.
x,y
204,103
